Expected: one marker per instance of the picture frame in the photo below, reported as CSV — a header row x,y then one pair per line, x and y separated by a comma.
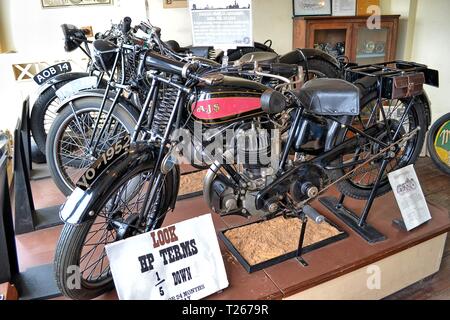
x,y
342,8
174,4
51,4
307,8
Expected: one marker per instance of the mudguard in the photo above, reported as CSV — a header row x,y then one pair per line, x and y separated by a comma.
x,y
81,206
80,84
99,93
60,78
295,57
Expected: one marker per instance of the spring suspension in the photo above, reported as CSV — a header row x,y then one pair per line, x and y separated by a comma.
x,y
130,64
166,104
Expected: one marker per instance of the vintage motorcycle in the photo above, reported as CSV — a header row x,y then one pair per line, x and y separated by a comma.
x,y
71,147
54,78
271,151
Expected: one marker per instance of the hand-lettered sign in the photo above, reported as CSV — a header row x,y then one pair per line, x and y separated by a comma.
x,y
179,262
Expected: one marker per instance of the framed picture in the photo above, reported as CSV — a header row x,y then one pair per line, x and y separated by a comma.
x,y
169,4
69,3
304,8
344,8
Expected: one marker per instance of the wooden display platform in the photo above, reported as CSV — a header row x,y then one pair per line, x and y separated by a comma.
x,y
339,271
404,258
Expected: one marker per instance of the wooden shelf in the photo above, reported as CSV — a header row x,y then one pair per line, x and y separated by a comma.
x,y
310,31
370,55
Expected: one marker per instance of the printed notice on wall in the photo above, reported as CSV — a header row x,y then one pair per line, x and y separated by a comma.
x,y
224,24
409,196
179,262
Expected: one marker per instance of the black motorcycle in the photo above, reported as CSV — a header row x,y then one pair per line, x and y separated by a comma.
x,y
271,152
76,131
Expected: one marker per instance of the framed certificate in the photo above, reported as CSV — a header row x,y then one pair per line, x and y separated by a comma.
x,y
304,8
344,7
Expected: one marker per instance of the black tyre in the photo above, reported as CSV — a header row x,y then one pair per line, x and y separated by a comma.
x,y
44,113
68,152
322,69
439,137
36,155
360,184
82,247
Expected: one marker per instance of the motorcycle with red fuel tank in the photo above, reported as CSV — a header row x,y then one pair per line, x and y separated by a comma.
x,y
271,151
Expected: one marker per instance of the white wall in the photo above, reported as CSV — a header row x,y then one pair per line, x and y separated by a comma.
x,y
35,35
431,46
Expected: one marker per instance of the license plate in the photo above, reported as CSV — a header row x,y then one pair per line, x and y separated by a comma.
x,y
52,71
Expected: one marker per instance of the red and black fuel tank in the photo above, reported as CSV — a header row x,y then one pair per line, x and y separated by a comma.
x,y
233,99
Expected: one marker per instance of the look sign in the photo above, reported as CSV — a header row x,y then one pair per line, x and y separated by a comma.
x,y
179,262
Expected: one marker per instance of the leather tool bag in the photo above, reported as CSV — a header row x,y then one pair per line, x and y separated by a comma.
x,y
407,86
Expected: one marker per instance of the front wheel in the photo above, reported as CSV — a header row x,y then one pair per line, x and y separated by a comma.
x,y
439,143
81,248
69,149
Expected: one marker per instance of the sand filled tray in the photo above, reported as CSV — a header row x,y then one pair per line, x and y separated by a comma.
x,y
262,244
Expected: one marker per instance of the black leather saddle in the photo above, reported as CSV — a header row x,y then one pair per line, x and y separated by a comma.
x,y
330,97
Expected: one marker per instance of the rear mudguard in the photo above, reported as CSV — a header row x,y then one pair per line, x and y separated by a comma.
x,y
295,57
100,93
83,204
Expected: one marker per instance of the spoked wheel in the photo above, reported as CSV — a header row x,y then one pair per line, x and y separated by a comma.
x,y
321,69
361,182
69,148
43,114
81,248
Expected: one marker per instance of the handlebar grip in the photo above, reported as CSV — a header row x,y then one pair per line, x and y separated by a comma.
x,y
313,214
159,62
126,27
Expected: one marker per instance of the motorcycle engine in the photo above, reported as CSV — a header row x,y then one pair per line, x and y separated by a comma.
x,y
256,159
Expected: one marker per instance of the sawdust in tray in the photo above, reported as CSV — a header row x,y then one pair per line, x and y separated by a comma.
x,y
267,240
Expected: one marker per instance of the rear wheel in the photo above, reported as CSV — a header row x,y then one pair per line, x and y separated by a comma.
x,y
360,184
82,247
69,152
322,69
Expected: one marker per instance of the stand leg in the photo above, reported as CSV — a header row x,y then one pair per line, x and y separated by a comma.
x,y
301,240
341,201
369,203
358,224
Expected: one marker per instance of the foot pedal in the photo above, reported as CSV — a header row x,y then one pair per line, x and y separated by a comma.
x,y
312,214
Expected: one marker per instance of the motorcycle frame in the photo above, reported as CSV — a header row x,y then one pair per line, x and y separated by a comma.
x,y
323,161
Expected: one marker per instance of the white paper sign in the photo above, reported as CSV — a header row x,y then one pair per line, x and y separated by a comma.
x,y
222,24
179,262
409,196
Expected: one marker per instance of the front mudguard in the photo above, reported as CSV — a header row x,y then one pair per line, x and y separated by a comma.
x,y
100,93
83,205
70,76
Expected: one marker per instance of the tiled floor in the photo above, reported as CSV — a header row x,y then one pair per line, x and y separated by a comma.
x,y
38,247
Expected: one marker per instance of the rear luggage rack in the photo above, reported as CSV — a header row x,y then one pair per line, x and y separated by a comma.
x,y
396,79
